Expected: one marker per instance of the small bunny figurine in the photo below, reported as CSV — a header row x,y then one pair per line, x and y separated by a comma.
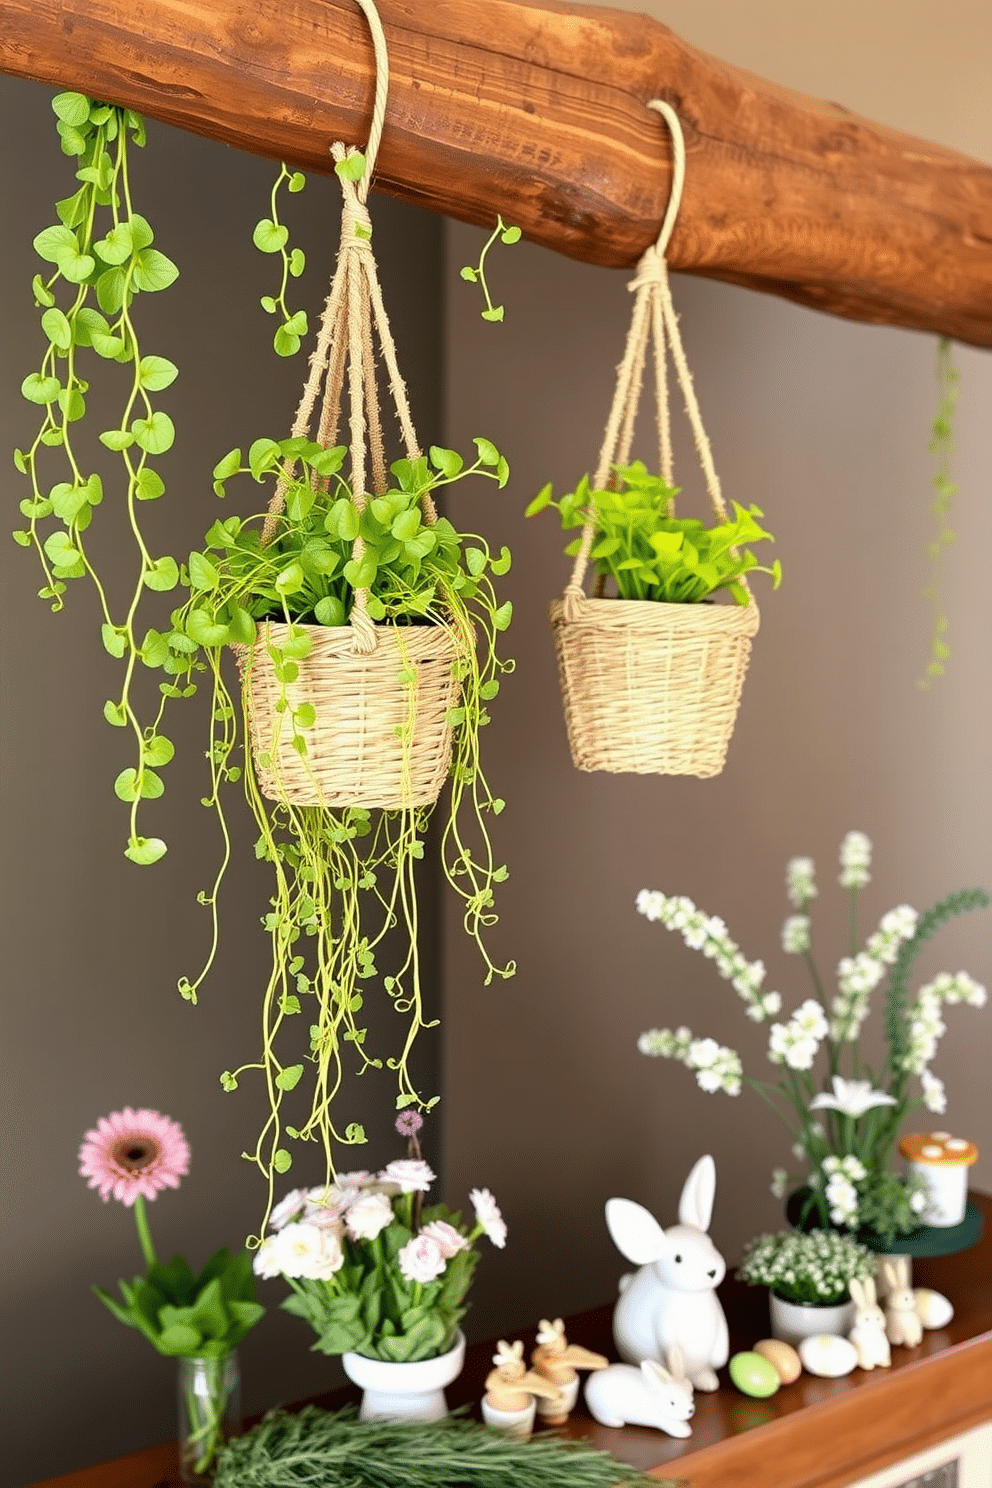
x,y
558,1360
508,1404
650,1396
672,1298
902,1321
868,1333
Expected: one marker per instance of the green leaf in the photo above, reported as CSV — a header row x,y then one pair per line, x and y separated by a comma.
x,y
72,404
163,575
156,373
114,714
270,236
503,616
488,453
263,455
24,540
352,167
71,108
469,275
510,235
230,465
330,611
153,271
496,313
291,579
60,550
117,439
180,1340
297,181
151,785
285,343
202,573
157,751
141,232
76,267
73,209
126,785
297,262
117,246
290,1077
110,288
361,574
242,626
282,1160
114,640
155,434
475,561
57,328
205,631
55,241
146,850
406,525
297,323
268,304
149,485
42,294
155,648
449,462
38,389
305,716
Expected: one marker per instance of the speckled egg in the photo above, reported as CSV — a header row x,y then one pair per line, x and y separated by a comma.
x,y
754,1375
933,1308
782,1357
827,1355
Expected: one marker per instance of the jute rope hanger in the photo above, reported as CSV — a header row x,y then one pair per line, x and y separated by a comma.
x,y
353,309
653,322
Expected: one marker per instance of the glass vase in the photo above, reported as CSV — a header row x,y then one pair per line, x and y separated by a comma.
x,y
209,1413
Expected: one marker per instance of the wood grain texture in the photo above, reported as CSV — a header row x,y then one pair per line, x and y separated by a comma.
x,y
816,1433
536,110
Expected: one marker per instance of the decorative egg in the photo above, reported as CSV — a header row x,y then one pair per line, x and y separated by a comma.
x,y
827,1355
933,1308
782,1357
754,1375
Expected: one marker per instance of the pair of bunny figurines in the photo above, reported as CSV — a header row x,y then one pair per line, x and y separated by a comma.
x,y
900,1323
668,1321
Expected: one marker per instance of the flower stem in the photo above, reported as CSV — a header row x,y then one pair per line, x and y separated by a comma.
x,y
144,1233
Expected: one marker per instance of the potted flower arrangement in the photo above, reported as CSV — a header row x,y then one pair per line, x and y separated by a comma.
x,y
381,1278
198,1319
808,1278
845,1120
652,683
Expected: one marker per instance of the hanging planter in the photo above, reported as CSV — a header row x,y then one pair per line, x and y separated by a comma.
x,y
651,680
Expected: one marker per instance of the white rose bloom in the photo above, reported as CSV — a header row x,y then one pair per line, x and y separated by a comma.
x,y
421,1259
412,1175
288,1208
309,1251
487,1214
368,1216
450,1240
266,1262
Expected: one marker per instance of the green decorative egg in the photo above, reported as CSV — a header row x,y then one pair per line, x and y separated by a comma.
x,y
753,1375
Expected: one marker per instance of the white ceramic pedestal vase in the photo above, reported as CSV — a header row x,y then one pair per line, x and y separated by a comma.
x,y
794,1321
405,1392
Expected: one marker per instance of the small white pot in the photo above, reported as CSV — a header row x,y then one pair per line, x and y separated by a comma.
x,y
405,1392
794,1321
946,1190
556,1412
519,1423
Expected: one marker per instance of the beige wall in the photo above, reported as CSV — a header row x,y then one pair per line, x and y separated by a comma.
x,y
825,424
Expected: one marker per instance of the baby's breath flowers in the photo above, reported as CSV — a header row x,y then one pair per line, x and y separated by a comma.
x,y
817,1268
849,1178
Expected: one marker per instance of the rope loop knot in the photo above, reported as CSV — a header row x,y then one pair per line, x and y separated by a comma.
x,y
651,272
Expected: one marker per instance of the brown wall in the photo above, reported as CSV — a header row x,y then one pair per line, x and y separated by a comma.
x,y
92,946
825,425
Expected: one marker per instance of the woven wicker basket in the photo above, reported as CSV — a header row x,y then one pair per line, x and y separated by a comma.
x,y
652,688
355,756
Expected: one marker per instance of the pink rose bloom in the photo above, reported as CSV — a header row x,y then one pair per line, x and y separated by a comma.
x,y
369,1216
412,1175
448,1238
421,1259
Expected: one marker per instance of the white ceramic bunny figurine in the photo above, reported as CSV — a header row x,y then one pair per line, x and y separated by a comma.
x,y
621,1395
902,1321
671,1299
868,1333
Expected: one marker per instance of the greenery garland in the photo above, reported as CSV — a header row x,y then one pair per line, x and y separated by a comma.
x,y
102,254
334,1450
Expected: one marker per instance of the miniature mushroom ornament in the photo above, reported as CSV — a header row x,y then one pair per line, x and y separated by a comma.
x,y
508,1404
557,1360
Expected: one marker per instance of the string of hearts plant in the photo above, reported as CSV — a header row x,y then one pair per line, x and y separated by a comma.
x,y
102,257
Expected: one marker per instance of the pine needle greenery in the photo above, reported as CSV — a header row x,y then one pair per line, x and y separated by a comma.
x,y
323,1449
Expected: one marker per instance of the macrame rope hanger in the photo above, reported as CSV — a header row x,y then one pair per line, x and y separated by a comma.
x,y
345,350
653,323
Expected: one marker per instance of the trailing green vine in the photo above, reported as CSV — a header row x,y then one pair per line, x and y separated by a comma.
x,y
942,447
102,254
477,275
344,878
272,236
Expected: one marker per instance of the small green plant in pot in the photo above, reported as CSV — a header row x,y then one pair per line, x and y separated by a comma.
x,y
808,1278
651,676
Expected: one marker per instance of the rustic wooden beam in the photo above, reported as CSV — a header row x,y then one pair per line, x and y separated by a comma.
x,y
536,110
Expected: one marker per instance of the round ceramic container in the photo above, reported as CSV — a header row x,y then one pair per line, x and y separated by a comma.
x,y
405,1392
941,1162
794,1321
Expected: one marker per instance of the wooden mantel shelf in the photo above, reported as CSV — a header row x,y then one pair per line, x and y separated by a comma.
x,y
536,109
814,1434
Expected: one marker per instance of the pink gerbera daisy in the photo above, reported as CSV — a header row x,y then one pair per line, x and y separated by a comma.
x,y
134,1152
